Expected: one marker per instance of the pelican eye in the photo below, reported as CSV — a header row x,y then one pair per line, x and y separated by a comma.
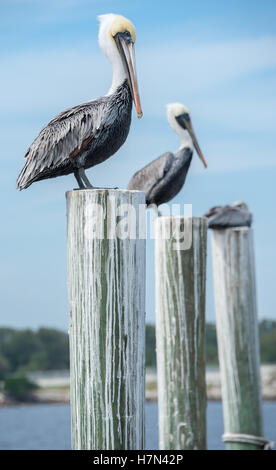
x,y
183,120
125,35
186,117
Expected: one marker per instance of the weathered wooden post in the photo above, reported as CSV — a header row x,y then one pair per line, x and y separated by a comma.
x,y
106,269
238,339
180,264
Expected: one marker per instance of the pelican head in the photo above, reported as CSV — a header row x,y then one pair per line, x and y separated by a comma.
x,y
241,205
117,36
179,118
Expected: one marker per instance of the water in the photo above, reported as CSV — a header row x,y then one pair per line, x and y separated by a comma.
x,y
47,427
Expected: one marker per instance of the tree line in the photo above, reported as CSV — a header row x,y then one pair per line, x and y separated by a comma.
x,y
26,350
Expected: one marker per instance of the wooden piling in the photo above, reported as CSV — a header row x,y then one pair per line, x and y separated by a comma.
x,y
238,339
106,282
180,331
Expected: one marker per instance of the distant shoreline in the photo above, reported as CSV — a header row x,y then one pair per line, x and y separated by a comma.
x,y
17,404
54,389
36,402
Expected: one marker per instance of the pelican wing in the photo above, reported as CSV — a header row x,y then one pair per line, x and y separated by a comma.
x,y
214,210
227,217
149,176
64,138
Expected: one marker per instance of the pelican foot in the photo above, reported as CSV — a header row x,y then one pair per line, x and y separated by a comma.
x,y
84,182
102,187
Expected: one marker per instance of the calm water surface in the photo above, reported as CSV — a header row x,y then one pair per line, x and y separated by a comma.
x,y
48,426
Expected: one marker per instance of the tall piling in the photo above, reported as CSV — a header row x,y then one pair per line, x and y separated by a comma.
x,y
238,339
106,284
180,270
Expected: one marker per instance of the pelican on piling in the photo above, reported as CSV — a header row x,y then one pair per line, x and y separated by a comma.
x,y
222,217
163,178
88,134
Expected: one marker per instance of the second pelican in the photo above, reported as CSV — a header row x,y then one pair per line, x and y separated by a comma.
x,y
163,178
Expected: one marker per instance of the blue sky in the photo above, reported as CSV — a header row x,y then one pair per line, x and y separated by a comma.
x,y
216,57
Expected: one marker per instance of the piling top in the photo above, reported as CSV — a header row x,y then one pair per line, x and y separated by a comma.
x,y
98,195
176,217
179,220
182,217
102,191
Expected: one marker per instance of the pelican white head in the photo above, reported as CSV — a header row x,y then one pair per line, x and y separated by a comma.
x,y
117,36
174,110
180,121
241,205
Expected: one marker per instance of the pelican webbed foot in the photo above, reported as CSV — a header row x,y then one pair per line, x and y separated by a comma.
x,y
84,182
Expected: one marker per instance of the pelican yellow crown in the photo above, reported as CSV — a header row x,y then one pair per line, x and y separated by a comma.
x,y
121,24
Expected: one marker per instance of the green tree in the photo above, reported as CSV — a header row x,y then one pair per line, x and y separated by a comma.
x,y
268,341
55,347
4,367
18,347
211,344
150,346
19,387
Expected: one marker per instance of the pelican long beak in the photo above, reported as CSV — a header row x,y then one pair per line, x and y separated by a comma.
x,y
187,125
126,49
195,142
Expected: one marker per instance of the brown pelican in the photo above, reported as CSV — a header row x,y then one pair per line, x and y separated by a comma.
x,y
88,134
237,215
163,178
